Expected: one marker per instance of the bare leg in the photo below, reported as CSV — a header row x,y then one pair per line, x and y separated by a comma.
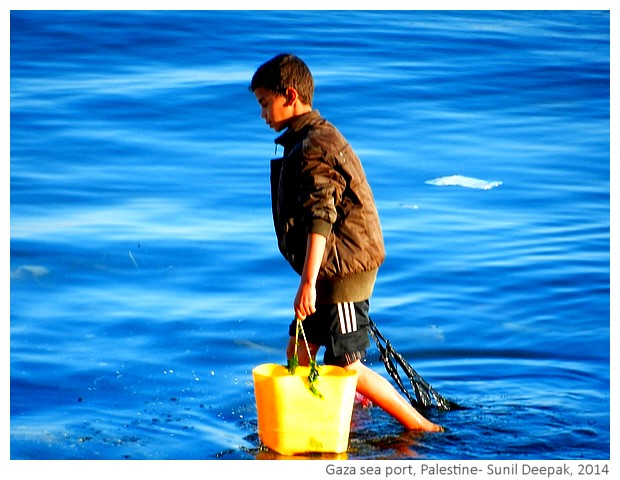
x,y
374,387
381,392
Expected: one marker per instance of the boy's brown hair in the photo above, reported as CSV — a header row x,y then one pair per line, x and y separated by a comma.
x,y
283,71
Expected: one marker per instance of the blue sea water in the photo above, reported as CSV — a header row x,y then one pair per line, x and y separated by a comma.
x,y
145,280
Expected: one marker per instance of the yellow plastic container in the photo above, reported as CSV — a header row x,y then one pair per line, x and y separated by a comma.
x,y
292,420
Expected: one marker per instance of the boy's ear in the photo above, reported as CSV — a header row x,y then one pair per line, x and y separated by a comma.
x,y
291,96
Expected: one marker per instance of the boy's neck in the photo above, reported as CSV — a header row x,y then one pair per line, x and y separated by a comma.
x,y
295,125
298,113
301,109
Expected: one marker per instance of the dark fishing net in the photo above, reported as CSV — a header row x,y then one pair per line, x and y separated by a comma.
x,y
425,395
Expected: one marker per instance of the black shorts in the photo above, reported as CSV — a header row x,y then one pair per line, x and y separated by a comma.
x,y
341,328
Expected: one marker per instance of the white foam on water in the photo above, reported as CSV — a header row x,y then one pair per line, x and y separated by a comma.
x,y
461,181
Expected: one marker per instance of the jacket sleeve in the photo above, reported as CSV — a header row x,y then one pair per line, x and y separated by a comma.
x,y
322,189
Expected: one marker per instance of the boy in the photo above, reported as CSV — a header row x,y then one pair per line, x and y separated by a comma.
x,y
328,229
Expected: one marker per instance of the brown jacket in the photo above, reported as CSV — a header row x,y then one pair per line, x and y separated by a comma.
x,y
319,186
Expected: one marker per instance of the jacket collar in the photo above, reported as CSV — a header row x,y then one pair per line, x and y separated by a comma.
x,y
296,125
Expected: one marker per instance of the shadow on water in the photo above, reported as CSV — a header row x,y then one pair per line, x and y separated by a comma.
x,y
527,433
374,435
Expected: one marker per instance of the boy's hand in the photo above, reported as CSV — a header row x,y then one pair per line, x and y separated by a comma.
x,y
305,300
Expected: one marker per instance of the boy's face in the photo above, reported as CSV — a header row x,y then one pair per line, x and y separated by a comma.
x,y
276,110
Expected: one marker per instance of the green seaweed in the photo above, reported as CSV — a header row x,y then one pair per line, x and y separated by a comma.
x,y
293,362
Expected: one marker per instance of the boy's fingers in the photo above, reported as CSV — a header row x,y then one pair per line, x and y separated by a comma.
x,y
304,311
299,313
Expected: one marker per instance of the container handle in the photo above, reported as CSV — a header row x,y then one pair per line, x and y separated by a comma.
x,y
293,362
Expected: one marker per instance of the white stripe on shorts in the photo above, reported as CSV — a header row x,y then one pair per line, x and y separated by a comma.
x,y
353,318
347,317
